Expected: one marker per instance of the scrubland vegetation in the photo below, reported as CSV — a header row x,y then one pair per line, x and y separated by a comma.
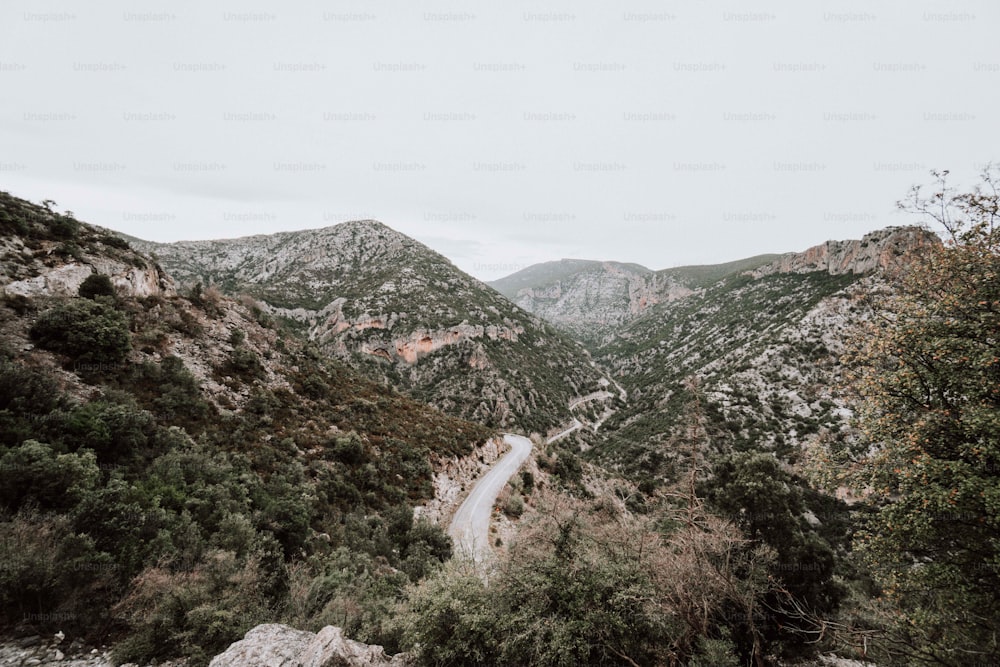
x,y
170,509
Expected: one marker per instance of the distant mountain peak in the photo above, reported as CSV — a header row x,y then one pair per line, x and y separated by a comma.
x,y
591,299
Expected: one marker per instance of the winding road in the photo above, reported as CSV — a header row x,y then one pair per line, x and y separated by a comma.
x,y
470,527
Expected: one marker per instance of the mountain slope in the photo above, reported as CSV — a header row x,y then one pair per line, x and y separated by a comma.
x,y
590,300
403,314
764,346
175,470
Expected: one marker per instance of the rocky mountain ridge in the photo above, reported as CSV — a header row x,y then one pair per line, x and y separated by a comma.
x,y
402,314
591,299
881,250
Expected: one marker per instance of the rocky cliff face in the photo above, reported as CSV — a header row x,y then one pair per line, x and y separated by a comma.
x,y
882,250
401,313
48,267
591,300
588,298
456,475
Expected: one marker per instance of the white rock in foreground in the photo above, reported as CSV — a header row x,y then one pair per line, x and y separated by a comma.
x,y
274,645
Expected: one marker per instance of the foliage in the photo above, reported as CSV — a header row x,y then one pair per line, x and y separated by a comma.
x,y
195,612
26,398
52,576
244,363
514,505
34,474
169,390
928,368
91,333
527,482
96,284
766,503
584,586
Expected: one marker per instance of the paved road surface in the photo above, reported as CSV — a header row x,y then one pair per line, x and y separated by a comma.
x,y
577,424
470,527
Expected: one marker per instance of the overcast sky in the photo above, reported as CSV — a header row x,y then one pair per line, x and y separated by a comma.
x,y
500,134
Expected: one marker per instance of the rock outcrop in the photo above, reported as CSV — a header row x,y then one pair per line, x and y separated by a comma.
x,y
58,651
417,344
453,476
40,271
881,250
274,645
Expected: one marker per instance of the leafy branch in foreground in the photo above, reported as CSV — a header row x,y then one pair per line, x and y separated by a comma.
x,y
928,368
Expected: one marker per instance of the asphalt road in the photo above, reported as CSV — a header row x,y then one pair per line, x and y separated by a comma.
x,y
470,527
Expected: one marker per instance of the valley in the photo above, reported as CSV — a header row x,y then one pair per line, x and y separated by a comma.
x,y
316,429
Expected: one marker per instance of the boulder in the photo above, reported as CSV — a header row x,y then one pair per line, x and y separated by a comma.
x,y
270,645
331,648
274,645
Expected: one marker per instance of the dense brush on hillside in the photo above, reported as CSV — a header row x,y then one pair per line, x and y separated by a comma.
x,y
765,351
174,470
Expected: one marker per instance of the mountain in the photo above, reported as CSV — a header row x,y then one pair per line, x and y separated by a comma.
x,y
590,299
176,469
762,346
402,314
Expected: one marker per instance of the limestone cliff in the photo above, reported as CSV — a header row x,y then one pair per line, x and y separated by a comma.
x,y
881,250
585,297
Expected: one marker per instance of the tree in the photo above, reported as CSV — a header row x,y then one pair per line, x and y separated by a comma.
x,y
928,369
96,284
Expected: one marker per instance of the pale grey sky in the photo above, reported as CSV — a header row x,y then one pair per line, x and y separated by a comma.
x,y
500,134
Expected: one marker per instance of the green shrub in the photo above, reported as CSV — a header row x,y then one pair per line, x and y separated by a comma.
x,y
315,387
33,473
26,397
113,431
527,482
114,242
64,227
568,468
514,505
349,449
92,334
170,390
96,284
197,612
244,363
52,578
